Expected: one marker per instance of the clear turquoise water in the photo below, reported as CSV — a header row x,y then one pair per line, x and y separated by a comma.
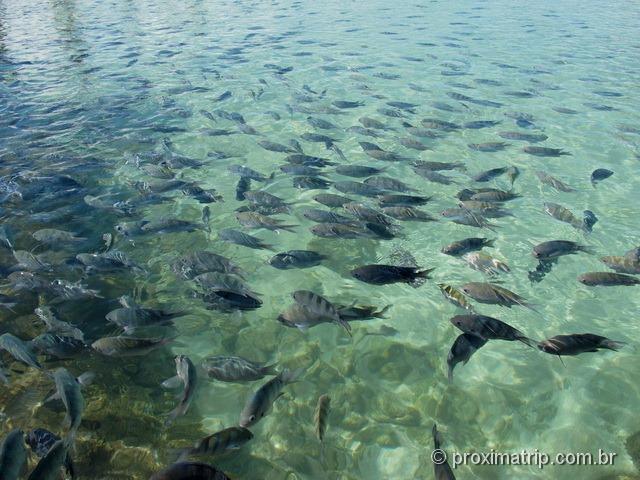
x,y
84,84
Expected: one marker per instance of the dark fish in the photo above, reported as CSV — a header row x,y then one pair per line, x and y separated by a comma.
x,y
263,198
320,123
241,238
199,262
401,200
58,346
526,137
493,294
331,200
478,124
368,122
318,138
68,390
387,274
557,248
346,104
302,170
246,172
13,455
578,343
236,369
366,312
223,96
187,375
259,403
554,182
339,230
488,175
324,216
402,105
229,300
436,124
311,183
437,166
388,183
296,259
41,440
125,346
489,328
441,468
321,415
408,214
308,160
220,442
19,350
275,147
49,466
544,151
357,171
257,220
624,264
607,279
600,174
320,306
461,351
488,146
189,471
357,188
564,110
564,215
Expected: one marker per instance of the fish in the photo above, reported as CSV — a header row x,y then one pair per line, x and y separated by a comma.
x,y
13,455
578,343
296,259
68,390
346,104
494,195
187,375
455,296
489,328
434,176
358,188
478,124
557,248
19,350
301,170
353,312
58,346
229,299
259,404
607,279
168,225
554,182
29,261
263,198
408,214
245,172
321,415
125,346
323,216
41,440
525,137
53,236
386,274
467,245
331,200
340,230
256,220
622,264
241,238
437,166
390,200
189,471
437,124
275,147
441,468
600,174
308,160
464,216
236,369
311,183
544,151
493,294
388,183
485,263
193,264
112,260
320,123
489,175
565,215
49,466
219,443
54,325
488,146
464,346
318,305
367,214
223,96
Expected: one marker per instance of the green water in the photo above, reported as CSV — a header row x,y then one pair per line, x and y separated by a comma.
x,y
85,87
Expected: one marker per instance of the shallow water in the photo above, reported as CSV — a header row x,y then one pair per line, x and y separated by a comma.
x,y
92,89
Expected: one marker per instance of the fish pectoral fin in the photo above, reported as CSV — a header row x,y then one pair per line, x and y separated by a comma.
x,y
173,382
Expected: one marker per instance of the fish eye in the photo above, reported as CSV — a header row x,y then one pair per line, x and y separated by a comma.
x,y
252,418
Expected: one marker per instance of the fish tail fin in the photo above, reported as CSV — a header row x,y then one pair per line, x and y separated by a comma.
x,y
437,438
450,373
424,273
530,342
382,312
587,249
291,376
612,344
346,326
